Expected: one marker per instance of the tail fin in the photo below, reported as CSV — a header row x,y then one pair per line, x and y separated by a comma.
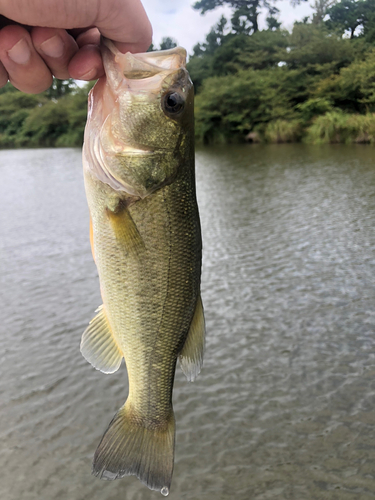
x,y
128,447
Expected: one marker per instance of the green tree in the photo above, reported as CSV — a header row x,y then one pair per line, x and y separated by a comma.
x,y
37,120
229,107
168,43
245,12
55,123
213,39
318,50
15,107
348,15
272,22
320,10
263,49
353,89
224,54
8,88
200,65
59,88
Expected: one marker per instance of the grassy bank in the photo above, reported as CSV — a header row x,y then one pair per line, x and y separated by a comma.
x,y
331,128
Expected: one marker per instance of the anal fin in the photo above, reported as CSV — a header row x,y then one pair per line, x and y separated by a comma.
x,y
191,356
98,345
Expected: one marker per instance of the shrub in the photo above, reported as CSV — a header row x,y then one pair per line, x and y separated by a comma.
x,y
339,127
279,131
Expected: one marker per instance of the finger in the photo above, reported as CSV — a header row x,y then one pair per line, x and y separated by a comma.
x,y
26,69
86,64
89,37
56,47
125,22
3,76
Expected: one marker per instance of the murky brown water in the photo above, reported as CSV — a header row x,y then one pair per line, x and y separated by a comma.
x,y
285,405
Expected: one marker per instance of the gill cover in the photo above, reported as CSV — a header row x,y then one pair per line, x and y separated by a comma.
x,y
139,116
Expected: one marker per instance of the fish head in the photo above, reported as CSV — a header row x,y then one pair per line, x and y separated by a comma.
x,y
140,125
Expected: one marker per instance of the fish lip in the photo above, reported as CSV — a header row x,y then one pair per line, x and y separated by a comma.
x,y
155,61
136,152
129,151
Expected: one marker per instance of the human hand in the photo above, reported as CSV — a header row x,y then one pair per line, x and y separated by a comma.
x,y
41,38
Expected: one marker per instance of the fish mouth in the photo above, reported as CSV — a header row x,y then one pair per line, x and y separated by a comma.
x,y
147,63
144,70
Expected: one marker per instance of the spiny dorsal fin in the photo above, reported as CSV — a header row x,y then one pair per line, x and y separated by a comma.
x,y
98,345
125,230
191,356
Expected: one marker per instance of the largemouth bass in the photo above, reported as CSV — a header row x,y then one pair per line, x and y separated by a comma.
x,y
138,159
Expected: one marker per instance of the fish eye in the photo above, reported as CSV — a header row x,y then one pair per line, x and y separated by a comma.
x,y
173,103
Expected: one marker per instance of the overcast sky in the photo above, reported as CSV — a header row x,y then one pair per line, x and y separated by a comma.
x,y
177,19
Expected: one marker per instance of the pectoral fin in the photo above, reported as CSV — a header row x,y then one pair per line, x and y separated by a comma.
x,y
125,230
98,345
191,356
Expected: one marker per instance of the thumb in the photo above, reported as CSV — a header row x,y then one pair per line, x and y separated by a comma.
x,y
126,23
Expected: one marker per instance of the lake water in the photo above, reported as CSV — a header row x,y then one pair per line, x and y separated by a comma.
x,y
285,405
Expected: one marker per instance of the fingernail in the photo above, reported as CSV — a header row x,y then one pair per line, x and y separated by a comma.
x,y
53,47
90,75
20,52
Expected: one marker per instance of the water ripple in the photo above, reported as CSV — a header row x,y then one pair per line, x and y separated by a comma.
x,y
284,407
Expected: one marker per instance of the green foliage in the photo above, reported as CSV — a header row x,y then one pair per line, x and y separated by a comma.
x,y
279,131
15,108
353,89
245,12
199,69
320,9
348,15
7,88
233,53
44,125
224,106
59,88
314,107
214,39
337,126
262,50
229,107
39,120
280,85
317,49
272,23
168,43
